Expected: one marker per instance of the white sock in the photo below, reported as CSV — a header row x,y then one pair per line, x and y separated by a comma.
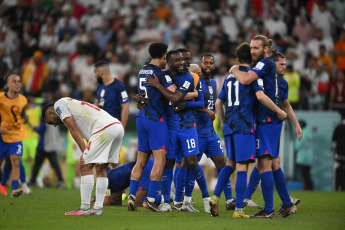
x,y
187,199
24,186
101,189
76,182
86,186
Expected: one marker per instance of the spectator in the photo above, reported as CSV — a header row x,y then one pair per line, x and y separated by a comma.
x,y
48,41
338,9
294,81
323,19
337,92
319,87
326,60
35,72
276,25
319,39
296,54
304,149
339,155
102,37
303,30
339,51
163,12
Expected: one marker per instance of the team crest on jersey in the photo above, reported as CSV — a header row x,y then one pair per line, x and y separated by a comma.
x,y
102,93
58,111
185,85
210,89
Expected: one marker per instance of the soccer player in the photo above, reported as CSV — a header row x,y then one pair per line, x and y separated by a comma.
x,y
209,142
181,124
12,110
152,128
119,179
268,124
111,93
238,128
103,134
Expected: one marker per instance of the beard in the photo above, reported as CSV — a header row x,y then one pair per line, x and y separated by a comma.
x,y
99,80
260,56
207,74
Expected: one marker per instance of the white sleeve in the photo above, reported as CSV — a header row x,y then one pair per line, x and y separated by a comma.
x,y
61,109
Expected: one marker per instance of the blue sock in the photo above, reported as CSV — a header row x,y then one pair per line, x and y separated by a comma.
x,y
200,178
267,187
153,188
241,185
15,184
158,199
180,178
166,184
22,173
189,183
280,182
175,176
223,178
133,187
227,187
6,174
254,181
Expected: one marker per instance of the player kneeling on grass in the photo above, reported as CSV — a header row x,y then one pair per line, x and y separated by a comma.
x,y
104,135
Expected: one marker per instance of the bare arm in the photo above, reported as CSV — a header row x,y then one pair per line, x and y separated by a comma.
x,y
75,132
220,109
191,95
291,116
245,78
266,101
124,114
96,102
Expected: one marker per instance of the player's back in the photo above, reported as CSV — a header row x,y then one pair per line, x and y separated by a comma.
x,y
111,97
183,119
155,109
240,105
88,117
119,177
204,124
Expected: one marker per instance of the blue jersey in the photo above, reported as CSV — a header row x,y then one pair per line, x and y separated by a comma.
x,y
204,124
275,88
184,119
155,109
111,97
240,104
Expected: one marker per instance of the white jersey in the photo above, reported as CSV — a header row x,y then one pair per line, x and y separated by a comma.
x,y
88,118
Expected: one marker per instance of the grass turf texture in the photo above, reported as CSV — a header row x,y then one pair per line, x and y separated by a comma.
x,y
45,209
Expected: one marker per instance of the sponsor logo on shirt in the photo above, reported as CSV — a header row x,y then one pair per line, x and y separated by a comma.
x,y
185,85
58,111
146,71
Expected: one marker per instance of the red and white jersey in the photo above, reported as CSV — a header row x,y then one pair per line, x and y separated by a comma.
x,y
88,118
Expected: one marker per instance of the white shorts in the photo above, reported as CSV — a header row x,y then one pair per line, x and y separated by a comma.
x,y
104,145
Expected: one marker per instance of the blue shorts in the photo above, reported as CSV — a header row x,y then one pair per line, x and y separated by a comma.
x,y
268,140
152,135
144,182
240,147
8,149
211,146
183,143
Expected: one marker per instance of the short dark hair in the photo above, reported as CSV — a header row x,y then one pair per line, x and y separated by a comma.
x,y
101,64
171,52
44,111
158,49
275,55
243,53
183,50
206,55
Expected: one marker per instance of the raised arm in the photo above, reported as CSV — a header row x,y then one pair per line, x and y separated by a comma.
x,y
245,78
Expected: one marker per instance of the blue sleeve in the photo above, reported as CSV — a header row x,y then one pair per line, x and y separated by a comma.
x,y
123,94
258,85
197,104
286,92
165,79
40,129
262,68
187,85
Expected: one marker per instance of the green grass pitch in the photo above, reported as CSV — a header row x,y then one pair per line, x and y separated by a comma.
x,y
45,208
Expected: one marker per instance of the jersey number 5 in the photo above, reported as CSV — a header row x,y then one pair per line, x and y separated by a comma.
x,y
230,87
142,85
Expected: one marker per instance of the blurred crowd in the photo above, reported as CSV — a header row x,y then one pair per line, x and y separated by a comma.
x,y
53,44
